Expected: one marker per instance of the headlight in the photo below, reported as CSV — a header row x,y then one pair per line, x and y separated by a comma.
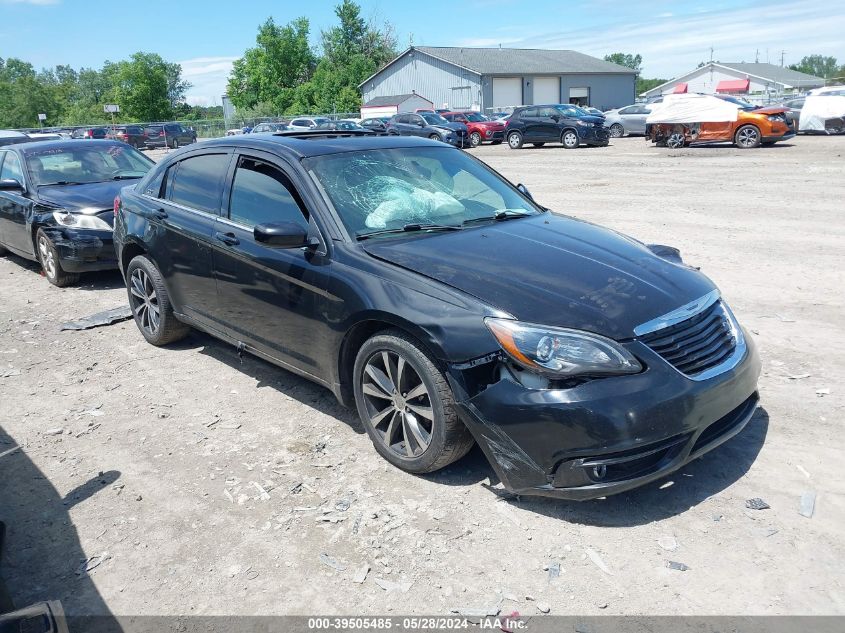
x,y
776,117
561,352
583,123
81,221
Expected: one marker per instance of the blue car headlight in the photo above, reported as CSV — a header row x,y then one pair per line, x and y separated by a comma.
x,y
561,352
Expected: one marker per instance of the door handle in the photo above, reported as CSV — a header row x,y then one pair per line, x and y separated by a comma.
x,y
159,214
227,238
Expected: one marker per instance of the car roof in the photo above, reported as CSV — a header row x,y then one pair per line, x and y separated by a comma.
x,y
303,145
11,134
67,143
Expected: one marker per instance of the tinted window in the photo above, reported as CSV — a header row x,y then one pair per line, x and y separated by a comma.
x,y
299,122
198,181
262,194
629,110
530,112
11,167
547,112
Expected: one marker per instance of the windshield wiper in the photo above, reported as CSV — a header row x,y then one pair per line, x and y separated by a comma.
x,y
499,216
62,182
121,177
410,228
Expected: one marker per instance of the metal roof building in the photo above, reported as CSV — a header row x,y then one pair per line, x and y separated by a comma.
x,y
494,78
738,78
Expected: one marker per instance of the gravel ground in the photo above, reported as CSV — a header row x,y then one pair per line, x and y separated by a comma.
x,y
186,481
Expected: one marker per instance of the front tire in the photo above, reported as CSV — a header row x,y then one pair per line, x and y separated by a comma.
x,y
434,137
48,257
747,137
569,139
515,140
617,131
406,405
150,303
475,139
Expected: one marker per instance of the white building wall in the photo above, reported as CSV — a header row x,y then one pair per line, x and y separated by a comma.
x,y
705,80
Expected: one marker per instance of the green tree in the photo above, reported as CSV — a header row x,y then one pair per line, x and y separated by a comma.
x,y
140,87
270,72
818,66
625,59
644,85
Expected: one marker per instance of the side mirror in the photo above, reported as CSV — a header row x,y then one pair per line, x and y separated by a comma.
x,y
420,123
524,191
281,235
10,184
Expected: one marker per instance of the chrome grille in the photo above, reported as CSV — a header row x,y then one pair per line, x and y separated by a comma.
x,y
697,344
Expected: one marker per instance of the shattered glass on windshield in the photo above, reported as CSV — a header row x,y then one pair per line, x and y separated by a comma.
x,y
382,189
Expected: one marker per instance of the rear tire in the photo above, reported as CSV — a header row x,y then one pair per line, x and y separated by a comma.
x,y
175,144
150,303
747,137
423,435
617,131
569,139
48,257
515,140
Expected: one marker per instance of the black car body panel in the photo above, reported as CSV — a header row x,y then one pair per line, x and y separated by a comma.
x,y
547,123
309,309
23,212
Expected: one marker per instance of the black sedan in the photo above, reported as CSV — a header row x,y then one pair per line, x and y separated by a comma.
x,y
444,304
56,203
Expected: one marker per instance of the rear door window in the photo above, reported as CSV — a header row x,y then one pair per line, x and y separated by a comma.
x,y
198,182
11,167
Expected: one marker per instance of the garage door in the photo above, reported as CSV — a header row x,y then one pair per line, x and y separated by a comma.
x,y
507,91
546,90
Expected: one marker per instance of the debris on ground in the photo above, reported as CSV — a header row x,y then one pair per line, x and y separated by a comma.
x,y
756,504
594,556
389,586
543,607
56,431
361,575
671,564
808,504
822,392
92,563
802,470
331,562
668,543
554,570
798,376
108,317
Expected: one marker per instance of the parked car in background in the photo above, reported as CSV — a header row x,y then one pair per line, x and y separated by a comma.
x,y
376,124
344,126
89,133
627,120
131,134
263,128
385,284
56,202
430,125
480,128
171,135
11,137
556,123
307,123
689,119
593,111
793,111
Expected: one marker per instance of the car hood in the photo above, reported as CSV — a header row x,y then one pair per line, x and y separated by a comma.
x,y
89,198
552,270
453,127
593,118
770,110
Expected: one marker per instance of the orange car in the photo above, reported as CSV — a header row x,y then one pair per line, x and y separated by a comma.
x,y
754,127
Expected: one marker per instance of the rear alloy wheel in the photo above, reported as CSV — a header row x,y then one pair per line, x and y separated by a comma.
x,y
150,303
616,130
475,139
515,140
406,405
48,257
747,137
676,140
569,138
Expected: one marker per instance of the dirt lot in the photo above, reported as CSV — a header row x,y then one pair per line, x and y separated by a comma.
x,y
207,485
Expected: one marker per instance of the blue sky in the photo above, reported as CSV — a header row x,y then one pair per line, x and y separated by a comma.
x,y
206,36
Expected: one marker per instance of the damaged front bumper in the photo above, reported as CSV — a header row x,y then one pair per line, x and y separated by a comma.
x,y
83,250
608,435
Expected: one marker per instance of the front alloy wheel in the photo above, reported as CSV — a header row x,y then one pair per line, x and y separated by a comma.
x,y
406,405
49,259
570,139
144,302
748,137
616,130
150,303
475,139
515,140
676,140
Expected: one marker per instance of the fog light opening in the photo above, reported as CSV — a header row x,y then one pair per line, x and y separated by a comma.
x,y
599,472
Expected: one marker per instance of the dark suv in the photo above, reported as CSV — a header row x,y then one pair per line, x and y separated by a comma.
x,y
443,303
131,134
430,125
89,132
557,123
170,135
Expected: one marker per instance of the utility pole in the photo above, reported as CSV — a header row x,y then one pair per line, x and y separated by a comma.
x,y
782,54
711,54
757,56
